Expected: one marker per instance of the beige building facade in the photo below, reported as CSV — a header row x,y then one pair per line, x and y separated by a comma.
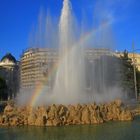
x,y
38,63
35,65
134,56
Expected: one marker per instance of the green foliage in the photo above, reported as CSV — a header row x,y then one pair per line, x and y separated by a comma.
x,y
3,89
138,81
127,75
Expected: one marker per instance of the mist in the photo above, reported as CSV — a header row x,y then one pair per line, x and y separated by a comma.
x,y
77,80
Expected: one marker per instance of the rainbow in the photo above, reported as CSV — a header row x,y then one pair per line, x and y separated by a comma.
x,y
40,88
36,93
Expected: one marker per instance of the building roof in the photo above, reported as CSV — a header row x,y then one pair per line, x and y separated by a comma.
x,y
10,57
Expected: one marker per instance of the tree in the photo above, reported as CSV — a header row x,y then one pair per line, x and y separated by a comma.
x,y
3,89
138,80
127,75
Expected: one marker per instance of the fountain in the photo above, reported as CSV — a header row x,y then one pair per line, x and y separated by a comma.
x,y
71,78
78,82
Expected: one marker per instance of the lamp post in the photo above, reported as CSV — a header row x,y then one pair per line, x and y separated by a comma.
x,y
134,68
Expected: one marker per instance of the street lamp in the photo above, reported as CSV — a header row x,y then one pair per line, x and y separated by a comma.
x,y
134,68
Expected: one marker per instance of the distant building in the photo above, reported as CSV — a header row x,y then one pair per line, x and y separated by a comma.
x,y
9,70
95,53
135,58
38,63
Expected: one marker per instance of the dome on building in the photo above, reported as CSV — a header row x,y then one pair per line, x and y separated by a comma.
x,y
8,57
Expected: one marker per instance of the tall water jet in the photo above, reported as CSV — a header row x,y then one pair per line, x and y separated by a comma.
x,y
69,83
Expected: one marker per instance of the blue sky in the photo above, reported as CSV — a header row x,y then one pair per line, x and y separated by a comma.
x,y
17,17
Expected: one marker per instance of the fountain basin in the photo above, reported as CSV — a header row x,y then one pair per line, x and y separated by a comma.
x,y
58,115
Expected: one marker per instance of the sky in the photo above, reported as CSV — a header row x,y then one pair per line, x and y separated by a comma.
x,y
18,17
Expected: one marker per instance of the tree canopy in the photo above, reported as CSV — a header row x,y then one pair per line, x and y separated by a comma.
x,y
127,75
3,89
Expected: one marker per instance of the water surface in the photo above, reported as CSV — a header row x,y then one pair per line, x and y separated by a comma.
x,y
107,131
